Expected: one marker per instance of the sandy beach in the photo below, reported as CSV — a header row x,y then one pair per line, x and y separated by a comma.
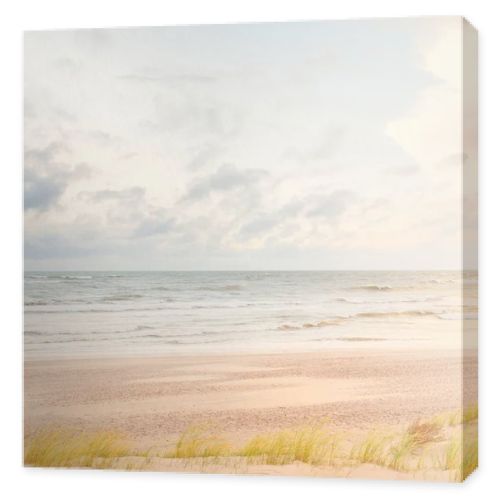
x,y
152,400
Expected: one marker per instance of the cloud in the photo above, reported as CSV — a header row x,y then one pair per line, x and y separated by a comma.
x,y
213,154
191,115
260,224
102,138
57,246
40,192
402,170
131,195
202,156
323,149
157,77
332,205
453,160
45,179
128,156
154,225
64,115
226,178
43,156
130,215
67,64
266,221
431,130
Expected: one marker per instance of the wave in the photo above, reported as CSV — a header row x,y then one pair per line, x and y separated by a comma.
x,y
71,276
139,328
213,306
388,288
37,303
395,314
66,341
181,342
387,301
224,288
351,339
338,320
319,324
94,310
361,339
286,327
119,298
33,332
323,323
373,288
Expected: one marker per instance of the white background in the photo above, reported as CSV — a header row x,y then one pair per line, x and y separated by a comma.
x,y
17,482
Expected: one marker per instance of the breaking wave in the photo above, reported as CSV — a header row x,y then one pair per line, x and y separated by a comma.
x,y
373,288
338,320
225,288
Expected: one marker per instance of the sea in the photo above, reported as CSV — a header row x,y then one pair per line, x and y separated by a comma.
x,y
88,314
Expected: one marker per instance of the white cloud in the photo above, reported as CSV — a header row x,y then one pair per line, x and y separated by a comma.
x,y
431,130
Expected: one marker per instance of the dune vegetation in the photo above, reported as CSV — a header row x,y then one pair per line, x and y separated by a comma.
x,y
445,442
199,442
311,444
62,448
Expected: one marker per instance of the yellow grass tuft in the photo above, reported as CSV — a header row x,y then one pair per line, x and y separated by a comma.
x,y
67,449
399,451
308,444
425,432
198,441
395,450
452,455
470,456
461,456
371,450
470,414
452,419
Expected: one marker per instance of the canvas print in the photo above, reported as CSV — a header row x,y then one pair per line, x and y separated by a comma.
x,y
252,249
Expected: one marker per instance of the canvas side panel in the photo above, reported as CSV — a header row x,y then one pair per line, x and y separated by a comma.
x,y
470,247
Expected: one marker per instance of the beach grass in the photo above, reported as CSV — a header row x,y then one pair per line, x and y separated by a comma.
x,y
470,414
435,444
371,450
470,457
61,448
310,444
199,442
423,432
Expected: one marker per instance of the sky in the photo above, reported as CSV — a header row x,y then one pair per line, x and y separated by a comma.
x,y
318,145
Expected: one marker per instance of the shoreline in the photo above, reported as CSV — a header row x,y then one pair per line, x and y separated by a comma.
x,y
363,347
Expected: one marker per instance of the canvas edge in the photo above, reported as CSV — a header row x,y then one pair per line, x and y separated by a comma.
x,y
469,227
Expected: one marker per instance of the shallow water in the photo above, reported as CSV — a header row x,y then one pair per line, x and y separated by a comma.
x,y
103,313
